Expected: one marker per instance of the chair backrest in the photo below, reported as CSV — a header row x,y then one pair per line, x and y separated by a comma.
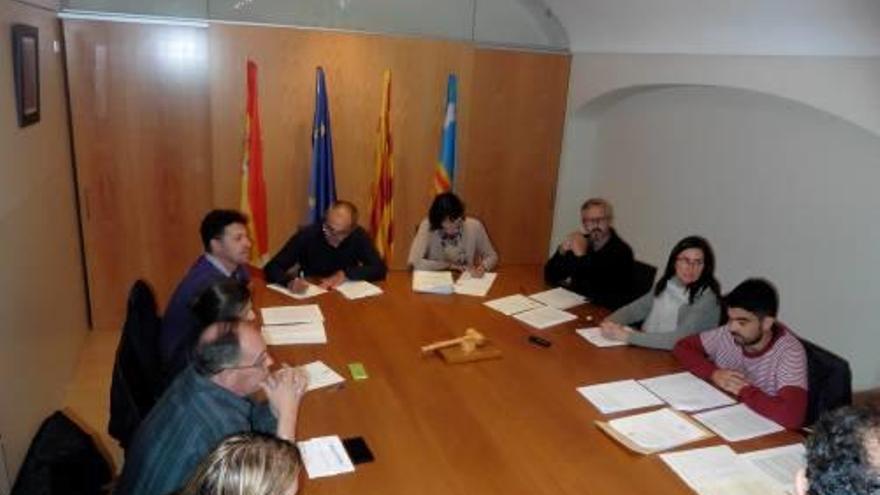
x,y
137,378
829,380
642,279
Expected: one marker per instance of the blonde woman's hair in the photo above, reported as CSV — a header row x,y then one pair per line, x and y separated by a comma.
x,y
246,464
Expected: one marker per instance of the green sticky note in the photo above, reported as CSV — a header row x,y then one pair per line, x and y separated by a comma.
x,y
357,370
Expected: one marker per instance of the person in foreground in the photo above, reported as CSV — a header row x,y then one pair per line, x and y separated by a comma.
x,y
208,401
843,454
685,301
448,240
227,249
754,357
595,261
247,464
334,251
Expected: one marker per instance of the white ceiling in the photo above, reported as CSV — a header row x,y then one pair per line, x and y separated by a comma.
x,y
744,27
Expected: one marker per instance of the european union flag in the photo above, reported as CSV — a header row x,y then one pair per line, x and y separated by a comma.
x,y
322,185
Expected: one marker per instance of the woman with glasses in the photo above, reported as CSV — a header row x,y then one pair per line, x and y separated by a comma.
x,y
448,240
685,301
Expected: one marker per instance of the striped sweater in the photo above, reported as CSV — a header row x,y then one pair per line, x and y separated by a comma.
x,y
777,375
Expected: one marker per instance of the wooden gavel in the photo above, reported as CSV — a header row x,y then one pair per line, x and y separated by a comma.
x,y
468,342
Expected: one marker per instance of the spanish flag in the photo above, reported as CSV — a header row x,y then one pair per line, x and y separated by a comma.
x,y
445,170
253,187
382,215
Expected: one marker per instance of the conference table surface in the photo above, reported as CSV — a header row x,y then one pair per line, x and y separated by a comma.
x,y
504,426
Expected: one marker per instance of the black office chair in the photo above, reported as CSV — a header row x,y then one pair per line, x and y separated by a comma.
x,y
642,279
829,380
137,379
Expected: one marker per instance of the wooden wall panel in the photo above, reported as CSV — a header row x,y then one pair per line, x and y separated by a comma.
x,y
158,117
509,171
141,137
353,65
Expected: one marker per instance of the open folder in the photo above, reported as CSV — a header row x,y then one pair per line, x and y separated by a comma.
x,y
654,431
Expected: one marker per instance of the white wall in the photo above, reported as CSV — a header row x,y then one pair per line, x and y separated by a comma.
x,y
42,298
781,189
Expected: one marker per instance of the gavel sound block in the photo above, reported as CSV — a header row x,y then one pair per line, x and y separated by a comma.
x,y
472,346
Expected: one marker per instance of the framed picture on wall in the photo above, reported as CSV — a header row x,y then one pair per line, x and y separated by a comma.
x,y
26,70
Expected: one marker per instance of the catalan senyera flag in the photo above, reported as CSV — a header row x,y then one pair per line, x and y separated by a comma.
x,y
444,173
322,185
253,187
381,216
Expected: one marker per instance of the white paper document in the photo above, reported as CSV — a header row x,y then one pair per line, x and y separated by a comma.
x,y
657,430
432,282
298,333
282,315
469,285
719,471
594,336
324,456
358,289
320,375
312,290
619,396
780,463
737,423
511,305
686,392
559,298
545,317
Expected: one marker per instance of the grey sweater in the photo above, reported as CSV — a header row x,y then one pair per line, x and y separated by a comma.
x,y
426,251
703,314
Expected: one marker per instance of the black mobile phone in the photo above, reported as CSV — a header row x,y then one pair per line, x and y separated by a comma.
x,y
357,449
539,341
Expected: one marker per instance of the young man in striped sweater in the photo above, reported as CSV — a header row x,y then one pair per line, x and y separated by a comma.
x,y
755,357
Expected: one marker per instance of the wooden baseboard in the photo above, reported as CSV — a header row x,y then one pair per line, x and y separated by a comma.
x,y
870,396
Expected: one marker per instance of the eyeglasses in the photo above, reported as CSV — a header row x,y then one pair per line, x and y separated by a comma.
x,y
595,221
690,262
258,363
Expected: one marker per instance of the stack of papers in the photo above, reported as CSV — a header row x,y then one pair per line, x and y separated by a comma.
x,y
283,325
281,315
432,282
720,471
780,464
324,456
300,333
320,375
559,298
312,290
619,396
686,392
654,431
544,317
473,286
737,423
594,336
358,289
514,304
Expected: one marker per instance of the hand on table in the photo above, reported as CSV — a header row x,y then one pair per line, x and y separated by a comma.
x,y
730,381
333,281
298,285
615,331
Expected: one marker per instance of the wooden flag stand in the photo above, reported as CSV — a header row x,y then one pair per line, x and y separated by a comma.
x,y
472,346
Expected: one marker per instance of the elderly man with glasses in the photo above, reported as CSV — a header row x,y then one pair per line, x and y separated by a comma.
x,y
332,251
594,261
208,401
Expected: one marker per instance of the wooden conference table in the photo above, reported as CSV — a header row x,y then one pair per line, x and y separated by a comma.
x,y
513,425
